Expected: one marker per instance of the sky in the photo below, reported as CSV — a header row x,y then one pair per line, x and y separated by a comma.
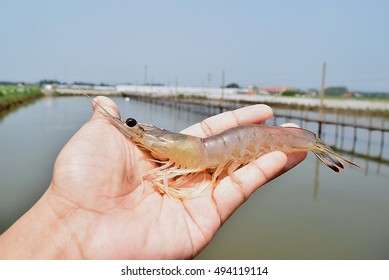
x,y
263,43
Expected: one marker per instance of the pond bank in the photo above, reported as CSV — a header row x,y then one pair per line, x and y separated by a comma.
x,y
347,106
14,96
233,102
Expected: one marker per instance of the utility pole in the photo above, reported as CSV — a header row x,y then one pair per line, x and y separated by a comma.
x,y
209,79
175,86
222,85
66,76
322,94
145,75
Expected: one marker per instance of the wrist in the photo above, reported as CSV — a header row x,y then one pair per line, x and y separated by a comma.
x,y
38,234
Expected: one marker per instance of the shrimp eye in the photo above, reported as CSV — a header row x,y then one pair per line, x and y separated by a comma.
x,y
131,122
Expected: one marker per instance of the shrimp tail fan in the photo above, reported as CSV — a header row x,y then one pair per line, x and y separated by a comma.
x,y
329,157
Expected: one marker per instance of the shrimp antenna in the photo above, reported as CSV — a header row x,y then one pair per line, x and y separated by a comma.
x,y
84,93
87,95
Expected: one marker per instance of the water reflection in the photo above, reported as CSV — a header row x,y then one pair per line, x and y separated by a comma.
x,y
316,181
308,213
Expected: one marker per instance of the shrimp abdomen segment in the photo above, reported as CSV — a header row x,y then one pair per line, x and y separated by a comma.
x,y
244,143
236,144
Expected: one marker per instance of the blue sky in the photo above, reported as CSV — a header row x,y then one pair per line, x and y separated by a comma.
x,y
266,43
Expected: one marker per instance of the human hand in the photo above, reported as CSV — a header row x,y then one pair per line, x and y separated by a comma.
x,y
100,210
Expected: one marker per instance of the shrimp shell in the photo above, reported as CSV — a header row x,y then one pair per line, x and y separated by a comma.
x,y
182,157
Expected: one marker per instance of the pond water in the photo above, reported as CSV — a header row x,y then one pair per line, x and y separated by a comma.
x,y
308,213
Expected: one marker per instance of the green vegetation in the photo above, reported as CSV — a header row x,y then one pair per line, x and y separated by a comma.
x,y
13,95
291,92
232,85
336,91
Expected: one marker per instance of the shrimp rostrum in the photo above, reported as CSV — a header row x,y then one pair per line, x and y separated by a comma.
x,y
182,156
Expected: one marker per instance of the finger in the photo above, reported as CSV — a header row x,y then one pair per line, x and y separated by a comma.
x,y
294,159
289,125
231,192
216,124
101,103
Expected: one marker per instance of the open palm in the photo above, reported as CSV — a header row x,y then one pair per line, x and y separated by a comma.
x,y
100,202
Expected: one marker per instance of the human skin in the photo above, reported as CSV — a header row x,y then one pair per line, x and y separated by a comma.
x,y
97,208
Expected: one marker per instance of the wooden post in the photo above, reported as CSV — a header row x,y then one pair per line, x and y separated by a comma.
x,y
336,127
382,144
322,93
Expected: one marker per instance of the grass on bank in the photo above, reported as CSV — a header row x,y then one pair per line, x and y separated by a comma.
x,y
11,95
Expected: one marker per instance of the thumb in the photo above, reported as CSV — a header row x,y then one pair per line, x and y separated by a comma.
x,y
102,105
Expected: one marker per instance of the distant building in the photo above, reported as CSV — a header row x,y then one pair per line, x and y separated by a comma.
x,y
268,90
275,90
351,94
310,93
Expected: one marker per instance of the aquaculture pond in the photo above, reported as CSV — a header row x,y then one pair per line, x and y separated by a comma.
x,y
309,213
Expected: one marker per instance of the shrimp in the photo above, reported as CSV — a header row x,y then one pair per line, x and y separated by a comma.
x,y
182,157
